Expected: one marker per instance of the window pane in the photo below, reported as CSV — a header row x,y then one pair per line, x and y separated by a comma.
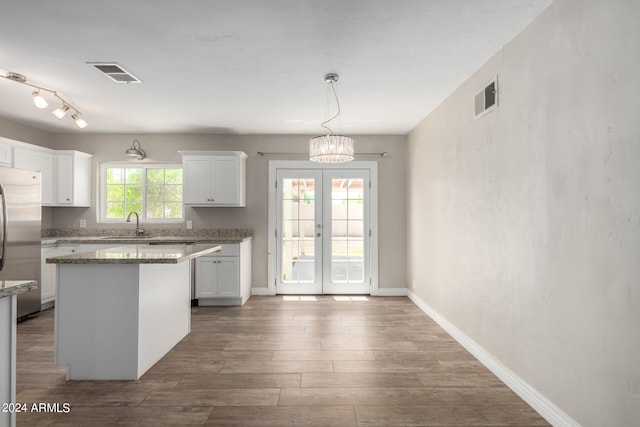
x,y
173,193
155,176
154,210
115,176
133,176
173,176
133,206
115,210
133,193
155,193
173,210
115,192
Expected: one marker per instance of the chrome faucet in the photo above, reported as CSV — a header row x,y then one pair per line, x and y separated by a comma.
x,y
139,231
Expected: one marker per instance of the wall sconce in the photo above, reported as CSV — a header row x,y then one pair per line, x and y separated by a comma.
x,y
138,153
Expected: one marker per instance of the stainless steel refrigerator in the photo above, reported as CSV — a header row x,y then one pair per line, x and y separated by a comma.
x,y
20,233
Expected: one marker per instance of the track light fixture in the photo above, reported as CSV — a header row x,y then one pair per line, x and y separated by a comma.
x,y
41,103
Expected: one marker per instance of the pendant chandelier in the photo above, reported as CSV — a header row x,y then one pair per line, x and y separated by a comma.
x,y
331,148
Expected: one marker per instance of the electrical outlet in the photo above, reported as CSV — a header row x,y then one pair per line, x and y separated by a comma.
x,y
189,225
413,284
83,223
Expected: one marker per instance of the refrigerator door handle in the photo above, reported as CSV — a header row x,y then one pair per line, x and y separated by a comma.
x,y
4,226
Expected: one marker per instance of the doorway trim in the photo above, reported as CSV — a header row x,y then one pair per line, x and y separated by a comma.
x,y
272,240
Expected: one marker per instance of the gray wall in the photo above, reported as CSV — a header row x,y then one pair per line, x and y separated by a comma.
x,y
524,225
163,148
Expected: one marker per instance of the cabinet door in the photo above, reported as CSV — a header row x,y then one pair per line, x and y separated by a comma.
x,y
47,276
228,277
225,183
197,179
64,172
48,272
206,277
40,161
6,154
73,179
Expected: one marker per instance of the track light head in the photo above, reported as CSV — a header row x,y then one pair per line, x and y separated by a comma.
x,y
79,120
61,111
38,100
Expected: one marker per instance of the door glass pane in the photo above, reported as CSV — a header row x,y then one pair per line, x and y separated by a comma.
x,y
298,222
347,228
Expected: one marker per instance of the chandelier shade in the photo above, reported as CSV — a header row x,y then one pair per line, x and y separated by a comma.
x,y
331,149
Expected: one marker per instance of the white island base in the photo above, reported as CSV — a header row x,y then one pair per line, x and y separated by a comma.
x,y
115,321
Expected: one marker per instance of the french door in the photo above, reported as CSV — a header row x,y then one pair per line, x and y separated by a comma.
x,y
323,231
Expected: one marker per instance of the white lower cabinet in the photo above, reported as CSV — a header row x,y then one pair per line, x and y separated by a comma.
x,y
48,276
224,277
217,277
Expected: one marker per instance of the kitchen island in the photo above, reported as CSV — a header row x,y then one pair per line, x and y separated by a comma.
x,y
120,310
9,289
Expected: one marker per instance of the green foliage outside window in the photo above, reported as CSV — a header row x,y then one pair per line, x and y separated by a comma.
x,y
154,191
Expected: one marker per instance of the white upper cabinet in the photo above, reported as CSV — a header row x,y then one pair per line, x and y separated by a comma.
x,y
66,174
214,178
6,153
73,170
39,160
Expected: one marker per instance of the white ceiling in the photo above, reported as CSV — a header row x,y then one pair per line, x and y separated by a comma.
x,y
249,66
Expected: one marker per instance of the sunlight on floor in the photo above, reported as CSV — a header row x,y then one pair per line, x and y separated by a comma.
x,y
313,298
299,298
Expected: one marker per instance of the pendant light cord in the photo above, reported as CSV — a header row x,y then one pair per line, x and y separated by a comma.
x,y
324,124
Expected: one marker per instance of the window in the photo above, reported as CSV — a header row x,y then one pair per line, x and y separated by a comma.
x,y
154,191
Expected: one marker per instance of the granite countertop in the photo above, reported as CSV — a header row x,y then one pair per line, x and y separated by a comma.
x,y
136,254
162,236
15,287
143,239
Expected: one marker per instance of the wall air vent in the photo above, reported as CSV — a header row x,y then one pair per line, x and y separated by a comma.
x,y
486,100
115,72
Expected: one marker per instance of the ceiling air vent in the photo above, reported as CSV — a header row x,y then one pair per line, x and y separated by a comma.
x,y
486,100
115,72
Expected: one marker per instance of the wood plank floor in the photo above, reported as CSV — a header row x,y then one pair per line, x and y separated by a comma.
x,y
275,362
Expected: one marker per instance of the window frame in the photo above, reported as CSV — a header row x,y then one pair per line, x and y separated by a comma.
x,y
102,202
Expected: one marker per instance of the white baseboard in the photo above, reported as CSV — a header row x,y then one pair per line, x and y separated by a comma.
x,y
392,292
383,292
537,401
